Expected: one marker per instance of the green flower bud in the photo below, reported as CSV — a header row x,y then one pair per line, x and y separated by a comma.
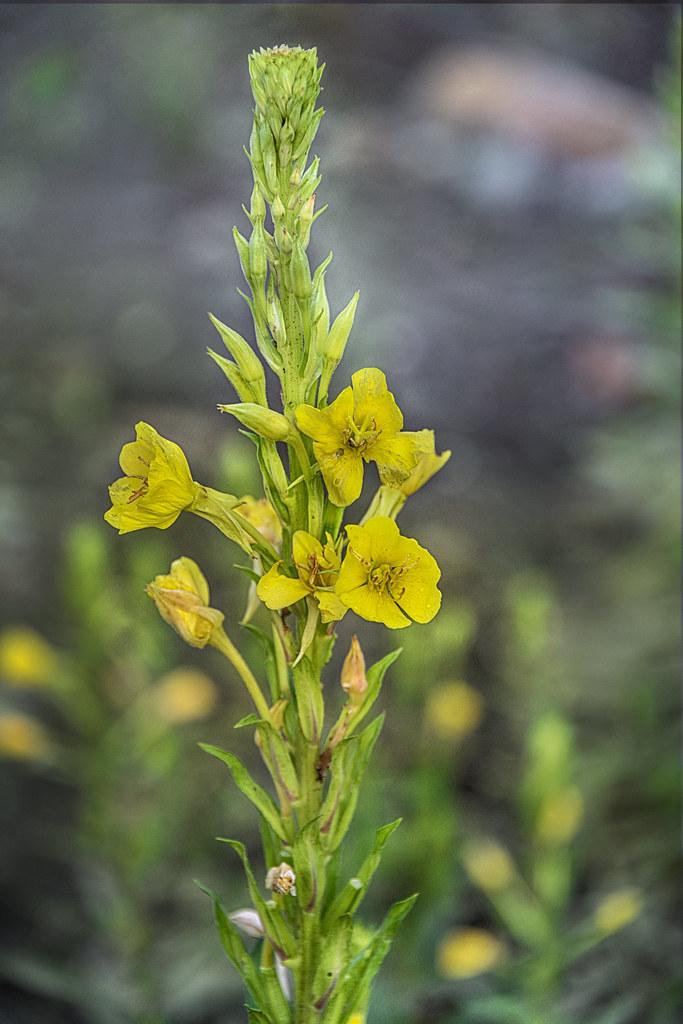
x,y
258,206
242,246
263,421
299,271
334,345
277,209
234,375
249,364
276,322
305,221
258,255
267,147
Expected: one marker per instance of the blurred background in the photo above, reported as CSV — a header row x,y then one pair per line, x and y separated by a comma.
x,y
504,188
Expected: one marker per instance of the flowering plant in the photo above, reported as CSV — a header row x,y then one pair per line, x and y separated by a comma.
x,y
308,570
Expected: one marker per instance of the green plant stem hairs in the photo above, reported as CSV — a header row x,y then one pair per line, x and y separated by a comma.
x,y
308,570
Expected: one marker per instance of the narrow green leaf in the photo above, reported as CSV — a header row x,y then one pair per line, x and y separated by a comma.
x,y
375,676
348,900
244,782
352,766
257,1016
250,719
279,760
274,925
334,956
310,877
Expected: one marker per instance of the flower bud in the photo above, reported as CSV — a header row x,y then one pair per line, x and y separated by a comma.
x,y
305,221
258,255
353,679
248,921
263,421
299,271
276,322
246,359
334,345
258,206
242,246
267,147
277,209
617,910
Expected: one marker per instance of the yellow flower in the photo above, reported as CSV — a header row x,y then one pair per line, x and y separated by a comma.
x,y
356,1018
157,486
25,658
560,816
362,425
22,738
261,514
185,694
317,567
488,865
453,710
386,577
182,599
428,464
465,952
617,910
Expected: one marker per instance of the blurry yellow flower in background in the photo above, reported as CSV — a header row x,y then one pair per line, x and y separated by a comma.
x,y
363,424
22,738
388,578
617,910
157,486
26,659
465,952
182,598
184,695
261,514
560,816
356,1018
317,567
453,710
488,864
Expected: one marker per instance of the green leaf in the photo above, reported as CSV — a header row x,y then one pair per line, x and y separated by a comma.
x,y
250,719
310,876
244,782
248,571
257,1016
349,763
334,956
349,898
274,924
276,754
309,700
354,989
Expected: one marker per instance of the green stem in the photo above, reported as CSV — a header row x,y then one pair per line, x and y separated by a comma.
x,y
222,643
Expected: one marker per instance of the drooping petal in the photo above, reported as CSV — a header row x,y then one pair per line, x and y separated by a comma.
x,y
189,575
375,606
374,403
427,465
279,591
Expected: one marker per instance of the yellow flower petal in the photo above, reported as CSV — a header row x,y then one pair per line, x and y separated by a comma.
x,y
305,546
187,574
22,738
279,591
373,403
182,599
428,463
326,426
184,694
375,606
342,471
416,590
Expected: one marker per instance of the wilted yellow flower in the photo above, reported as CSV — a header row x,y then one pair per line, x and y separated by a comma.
x,y
282,880
317,567
182,599
386,577
363,424
559,816
465,952
26,659
261,514
453,710
157,486
488,864
22,738
185,694
617,910
428,464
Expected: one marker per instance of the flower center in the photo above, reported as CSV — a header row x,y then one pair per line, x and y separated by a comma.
x,y
142,489
360,438
380,576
